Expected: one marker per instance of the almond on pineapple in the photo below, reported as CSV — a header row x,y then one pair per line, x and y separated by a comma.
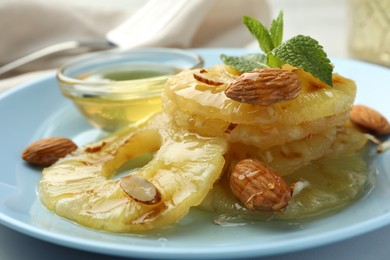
x,y
47,151
264,87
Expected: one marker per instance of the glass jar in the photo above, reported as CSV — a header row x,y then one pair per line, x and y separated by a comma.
x,y
369,37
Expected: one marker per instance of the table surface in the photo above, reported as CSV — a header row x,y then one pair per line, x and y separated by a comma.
x,y
325,21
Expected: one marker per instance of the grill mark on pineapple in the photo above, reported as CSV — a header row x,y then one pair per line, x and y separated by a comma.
x,y
230,128
337,80
290,154
95,149
311,87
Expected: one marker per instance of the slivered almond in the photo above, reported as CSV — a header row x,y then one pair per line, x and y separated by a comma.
x,y
207,80
140,189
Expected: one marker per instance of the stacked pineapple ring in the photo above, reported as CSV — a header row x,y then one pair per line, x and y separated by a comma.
x,y
298,138
287,128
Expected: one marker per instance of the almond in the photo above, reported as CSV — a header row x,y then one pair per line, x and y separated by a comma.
x,y
370,119
140,189
264,87
258,187
47,151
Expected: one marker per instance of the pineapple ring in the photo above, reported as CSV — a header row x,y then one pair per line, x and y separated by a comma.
x,y
205,109
287,158
323,181
210,102
290,157
79,187
263,137
314,199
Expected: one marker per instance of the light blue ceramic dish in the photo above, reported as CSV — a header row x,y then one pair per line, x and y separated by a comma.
x,y
37,109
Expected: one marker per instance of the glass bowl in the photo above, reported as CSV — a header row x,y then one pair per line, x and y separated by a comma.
x,y
115,89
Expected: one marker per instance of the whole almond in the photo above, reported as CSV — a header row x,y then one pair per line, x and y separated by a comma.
x,y
258,187
47,151
369,119
264,87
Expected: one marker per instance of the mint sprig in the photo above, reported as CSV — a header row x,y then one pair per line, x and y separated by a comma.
x,y
300,51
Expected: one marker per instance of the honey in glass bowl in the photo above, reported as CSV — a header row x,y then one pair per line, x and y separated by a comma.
x,y
116,89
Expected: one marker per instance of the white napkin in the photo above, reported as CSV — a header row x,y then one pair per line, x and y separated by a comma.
x,y
28,25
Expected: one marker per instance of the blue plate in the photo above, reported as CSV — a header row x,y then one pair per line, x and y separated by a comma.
x,y
37,109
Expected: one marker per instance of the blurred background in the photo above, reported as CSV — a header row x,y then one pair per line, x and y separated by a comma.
x,y
30,25
326,21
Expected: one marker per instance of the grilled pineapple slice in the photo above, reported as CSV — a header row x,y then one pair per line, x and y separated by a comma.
x,y
209,101
289,157
262,136
323,184
205,109
327,183
80,186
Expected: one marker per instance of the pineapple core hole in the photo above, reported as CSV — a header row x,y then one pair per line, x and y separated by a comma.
x,y
133,164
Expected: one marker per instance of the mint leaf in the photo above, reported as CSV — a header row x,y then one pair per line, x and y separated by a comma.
x,y
305,53
245,63
260,32
276,30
